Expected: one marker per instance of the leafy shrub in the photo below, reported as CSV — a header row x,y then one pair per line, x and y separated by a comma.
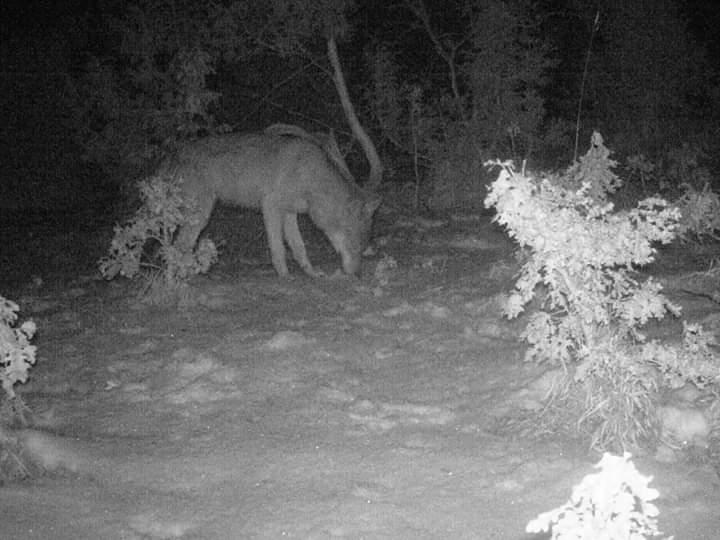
x,y
613,504
584,255
595,170
692,361
163,276
17,355
682,169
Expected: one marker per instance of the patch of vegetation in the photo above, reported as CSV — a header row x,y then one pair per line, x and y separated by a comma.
x,y
143,248
17,356
613,504
585,256
682,173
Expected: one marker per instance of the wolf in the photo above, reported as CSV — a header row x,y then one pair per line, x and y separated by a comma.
x,y
283,172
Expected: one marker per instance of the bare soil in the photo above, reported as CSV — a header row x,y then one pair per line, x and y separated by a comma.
x,y
380,407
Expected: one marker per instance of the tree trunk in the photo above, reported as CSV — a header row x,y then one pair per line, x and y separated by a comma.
x,y
376,167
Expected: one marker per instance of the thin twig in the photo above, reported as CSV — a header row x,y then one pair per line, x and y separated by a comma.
x,y
596,25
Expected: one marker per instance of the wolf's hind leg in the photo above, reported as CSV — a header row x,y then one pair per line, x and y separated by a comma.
x,y
297,246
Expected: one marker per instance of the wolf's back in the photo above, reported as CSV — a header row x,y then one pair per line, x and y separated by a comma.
x,y
242,169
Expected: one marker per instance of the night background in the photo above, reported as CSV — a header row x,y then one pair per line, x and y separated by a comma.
x,y
95,94
484,343
91,90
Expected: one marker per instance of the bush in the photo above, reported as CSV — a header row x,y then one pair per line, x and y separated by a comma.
x,y
585,256
164,274
613,504
17,356
682,171
16,353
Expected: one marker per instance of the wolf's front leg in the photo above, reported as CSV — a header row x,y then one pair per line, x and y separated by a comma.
x,y
273,218
297,246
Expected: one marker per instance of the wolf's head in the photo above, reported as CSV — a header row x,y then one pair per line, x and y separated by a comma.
x,y
351,239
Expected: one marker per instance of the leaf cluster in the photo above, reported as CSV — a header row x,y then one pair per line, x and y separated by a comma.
x,y
17,355
682,170
615,503
583,254
164,209
694,360
582,261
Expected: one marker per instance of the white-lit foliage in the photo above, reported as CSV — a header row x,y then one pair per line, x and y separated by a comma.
x,y
683,168
163,211
17,355
612,504
693,360
581,259
583,254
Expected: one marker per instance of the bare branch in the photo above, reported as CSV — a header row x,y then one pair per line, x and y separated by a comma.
x,y
447,52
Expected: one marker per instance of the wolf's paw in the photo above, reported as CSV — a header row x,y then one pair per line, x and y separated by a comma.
x,y
340,275
313,273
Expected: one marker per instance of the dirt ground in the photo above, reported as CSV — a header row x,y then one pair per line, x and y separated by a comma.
x,y
370,408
